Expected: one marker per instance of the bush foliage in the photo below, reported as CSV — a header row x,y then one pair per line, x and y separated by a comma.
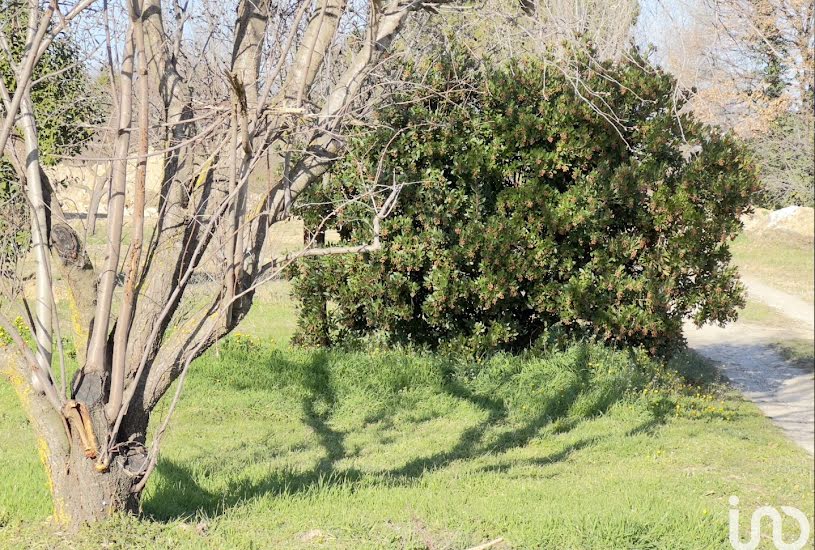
x,y
537,208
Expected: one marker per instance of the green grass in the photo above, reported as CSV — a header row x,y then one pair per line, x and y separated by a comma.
x,y
760,313
279,448
782,260
272,318
798,351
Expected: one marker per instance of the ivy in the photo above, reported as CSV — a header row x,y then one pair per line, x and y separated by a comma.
x,y
65,114
64,109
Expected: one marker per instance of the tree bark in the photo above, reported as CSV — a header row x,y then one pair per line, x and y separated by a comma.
x,y
83,495
88,486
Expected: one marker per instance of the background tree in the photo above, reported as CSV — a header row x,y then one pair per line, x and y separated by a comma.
x,y
786,152
60,94
531,216
749,66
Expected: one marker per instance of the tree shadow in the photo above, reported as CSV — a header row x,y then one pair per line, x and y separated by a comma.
x,y
319,386
181,495
649,427
552,458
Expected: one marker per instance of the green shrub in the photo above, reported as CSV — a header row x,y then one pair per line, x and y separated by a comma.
x,y
531,214
64,106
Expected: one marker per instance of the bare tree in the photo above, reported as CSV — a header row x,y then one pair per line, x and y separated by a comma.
x,y
552,29
747,61
213,95
748,65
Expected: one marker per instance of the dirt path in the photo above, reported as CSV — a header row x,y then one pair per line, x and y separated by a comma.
x,y
785,393
791,306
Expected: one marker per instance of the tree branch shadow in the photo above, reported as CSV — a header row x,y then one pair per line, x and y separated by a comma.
x,y
180,494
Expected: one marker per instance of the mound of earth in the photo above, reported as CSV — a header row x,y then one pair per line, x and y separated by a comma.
x,y
799,220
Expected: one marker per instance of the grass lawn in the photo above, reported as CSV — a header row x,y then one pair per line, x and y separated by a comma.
x,y
760,313
274,447
798,351
782,260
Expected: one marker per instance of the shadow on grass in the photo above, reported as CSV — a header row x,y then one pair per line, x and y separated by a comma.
x,y
179,494
553,458
471,443
798,353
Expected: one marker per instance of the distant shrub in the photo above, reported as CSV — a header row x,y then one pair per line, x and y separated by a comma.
x,y
530,216
784,155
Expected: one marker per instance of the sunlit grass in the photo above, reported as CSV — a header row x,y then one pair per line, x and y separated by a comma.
x,y
782,260
799,352
760,313
274,447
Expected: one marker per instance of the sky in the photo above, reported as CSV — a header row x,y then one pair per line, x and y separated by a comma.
x,y
660,21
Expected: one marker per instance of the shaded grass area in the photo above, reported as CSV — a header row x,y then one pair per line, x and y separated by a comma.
x,y
279,448
780,259
799,352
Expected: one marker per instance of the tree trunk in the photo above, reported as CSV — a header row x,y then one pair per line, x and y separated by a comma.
x,y
84,489
83,495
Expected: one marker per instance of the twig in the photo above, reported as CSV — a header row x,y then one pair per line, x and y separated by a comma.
x,y
486,545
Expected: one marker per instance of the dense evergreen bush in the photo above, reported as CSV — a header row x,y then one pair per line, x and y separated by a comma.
x,y
537,208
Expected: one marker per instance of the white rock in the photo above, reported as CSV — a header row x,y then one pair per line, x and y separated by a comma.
x,y
778,216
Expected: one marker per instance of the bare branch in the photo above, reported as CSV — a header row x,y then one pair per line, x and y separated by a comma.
x,y
97,347
128,307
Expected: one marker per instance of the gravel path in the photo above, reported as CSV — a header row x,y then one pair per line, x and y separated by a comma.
x,y
744,352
